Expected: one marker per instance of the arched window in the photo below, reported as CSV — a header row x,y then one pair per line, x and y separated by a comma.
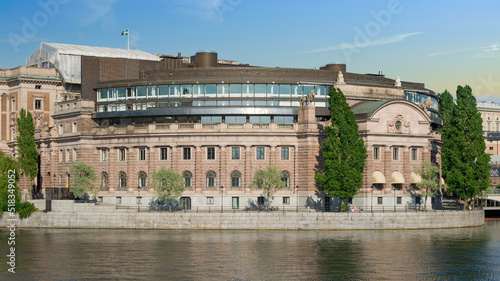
x,y
235,179
142,179
285,177
211,179
104,181
187,176
122,181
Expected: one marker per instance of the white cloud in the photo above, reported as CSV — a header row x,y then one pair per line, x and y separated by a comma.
x,y
481,52
99,10
368,43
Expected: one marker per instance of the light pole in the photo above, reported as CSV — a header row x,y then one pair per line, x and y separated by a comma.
x,y
139,199
222,199
297,195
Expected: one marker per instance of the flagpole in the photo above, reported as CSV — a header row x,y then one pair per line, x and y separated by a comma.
x,y
128,40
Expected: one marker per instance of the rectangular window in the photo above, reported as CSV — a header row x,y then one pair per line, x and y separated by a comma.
x,y
60,155
395,153
285,153
491,148
261,200
261,153
118,200
142,154
121,154
380,200
74,155
235,153
211,153
38,104
67,155
38,87
286,200
399,200
61,129
418,200
210,200
75,127
104,155
376,153
163,153
414,154
186,155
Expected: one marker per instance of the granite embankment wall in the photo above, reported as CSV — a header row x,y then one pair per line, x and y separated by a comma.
x,y
70,215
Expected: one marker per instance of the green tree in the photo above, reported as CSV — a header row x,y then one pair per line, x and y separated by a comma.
x,y
429,183
28,155
269,180
465,163
167,184
83,180
344,151
7,164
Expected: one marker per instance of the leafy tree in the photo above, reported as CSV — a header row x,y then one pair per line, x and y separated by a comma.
x,y
28,155
429,183
7,164
344,151
464,159
167,184
83,180
269,180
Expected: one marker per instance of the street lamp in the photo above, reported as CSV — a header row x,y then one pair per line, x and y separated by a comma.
x,y
139,199
222,199
297,195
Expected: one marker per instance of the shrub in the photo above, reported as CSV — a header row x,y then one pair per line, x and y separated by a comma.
x,y
25,209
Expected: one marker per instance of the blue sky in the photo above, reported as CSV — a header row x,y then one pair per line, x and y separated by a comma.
x,y
441,43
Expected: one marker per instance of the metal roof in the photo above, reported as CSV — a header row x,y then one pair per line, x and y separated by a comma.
x,y
66,58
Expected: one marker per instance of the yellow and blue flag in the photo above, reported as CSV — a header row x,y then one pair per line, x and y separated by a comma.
x,y
125,32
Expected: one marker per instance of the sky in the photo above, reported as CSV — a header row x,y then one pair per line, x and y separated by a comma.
x,y
440,43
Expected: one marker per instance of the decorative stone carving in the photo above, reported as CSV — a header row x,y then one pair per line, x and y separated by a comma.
x,y
397,83
340,78
307,99
398,125
38,119
427,104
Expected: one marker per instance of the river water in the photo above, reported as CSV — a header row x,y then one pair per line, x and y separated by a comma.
x,y
94,254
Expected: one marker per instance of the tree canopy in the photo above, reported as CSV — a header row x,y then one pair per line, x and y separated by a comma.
x,y
167,184
7,164
429,183
344,151
83,180
465,163
269,180
28,155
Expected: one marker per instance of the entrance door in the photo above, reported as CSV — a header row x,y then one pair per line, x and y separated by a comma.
x,y
185,203
327,204
236,202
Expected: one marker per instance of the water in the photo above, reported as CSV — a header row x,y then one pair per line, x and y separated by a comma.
x,y
72,254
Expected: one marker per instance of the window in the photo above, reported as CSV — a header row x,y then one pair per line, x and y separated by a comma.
x,y
67,155
74,127
118,200
235,153
380,200
376,153
61,129
122,181
285,177
38,87
286,200
210,153
414,154
418,200
121,154
395,153
261,200
163,153
104,181
74,155
491,148
211,180
187,176
142,154
186,153
142,178
285,153
38,104
104,155
399,200
210,200
261,153
235,179
60,155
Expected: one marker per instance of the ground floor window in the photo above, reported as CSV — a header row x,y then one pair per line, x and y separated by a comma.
x,y
261,200
286,200
380,200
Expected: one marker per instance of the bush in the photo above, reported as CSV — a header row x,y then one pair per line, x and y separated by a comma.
x,y
26,209
343,207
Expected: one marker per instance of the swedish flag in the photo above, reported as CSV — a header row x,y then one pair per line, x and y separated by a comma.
x,y
125,32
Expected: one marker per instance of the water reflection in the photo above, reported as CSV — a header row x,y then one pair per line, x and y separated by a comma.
x,y
62,254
